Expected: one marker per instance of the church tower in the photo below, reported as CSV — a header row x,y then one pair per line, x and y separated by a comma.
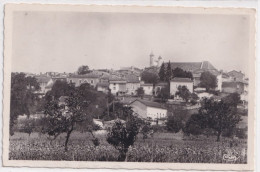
x,y
151,59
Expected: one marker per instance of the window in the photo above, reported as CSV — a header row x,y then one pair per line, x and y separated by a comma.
x,y
91,81
80,81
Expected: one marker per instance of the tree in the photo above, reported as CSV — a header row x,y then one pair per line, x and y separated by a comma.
x,y
62,118
164,93
82,70
140,92
168,74
219,115
146,129
122,136
28,126
22,97
162,73
178,72
149,77
176,120
194,98
232,99
208,81
59,88
195,125
184,93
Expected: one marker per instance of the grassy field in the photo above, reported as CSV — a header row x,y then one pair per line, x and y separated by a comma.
x,y
163,147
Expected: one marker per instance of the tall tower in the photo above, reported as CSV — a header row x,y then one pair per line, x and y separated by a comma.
x,y
159,63
151,59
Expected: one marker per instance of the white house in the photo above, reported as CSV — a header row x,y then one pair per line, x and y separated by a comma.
x,y
148,88
117,86
176,82
132,84
148,109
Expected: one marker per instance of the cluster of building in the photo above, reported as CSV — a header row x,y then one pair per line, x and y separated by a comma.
x,y
126,81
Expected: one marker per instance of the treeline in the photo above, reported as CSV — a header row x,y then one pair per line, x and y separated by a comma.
x,y
218,118
166,73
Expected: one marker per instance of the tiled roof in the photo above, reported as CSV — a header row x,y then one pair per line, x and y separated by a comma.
x,y
149,103
181,80
132,79
147,84
43,79
103,84
161,84
84,76
192,66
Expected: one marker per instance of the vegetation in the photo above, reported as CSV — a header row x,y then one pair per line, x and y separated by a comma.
x,y
122,136
164,93
140,92
149,77
184,93
208,81
23,98
176,121
161,148
62,117
166,73
82,70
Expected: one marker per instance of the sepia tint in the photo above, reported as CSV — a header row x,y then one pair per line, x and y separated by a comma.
x,y
129,87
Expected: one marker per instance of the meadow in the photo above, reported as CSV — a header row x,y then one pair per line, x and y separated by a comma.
x,y
163,147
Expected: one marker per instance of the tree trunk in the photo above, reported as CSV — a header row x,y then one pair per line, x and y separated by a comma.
x,y
67,138
122,156
218,136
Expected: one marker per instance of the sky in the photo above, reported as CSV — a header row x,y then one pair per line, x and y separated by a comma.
x,y
63,41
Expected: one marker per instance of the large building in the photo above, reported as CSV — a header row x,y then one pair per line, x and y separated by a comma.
x,y
176,82
148,109
91,79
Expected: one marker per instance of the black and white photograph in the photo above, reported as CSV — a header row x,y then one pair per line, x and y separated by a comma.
x,y
160,86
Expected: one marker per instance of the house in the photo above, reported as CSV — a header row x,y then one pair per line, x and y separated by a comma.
x,y
148,88
132,84
103,87
236,75
45,83
233,87
197,68
91,79
117,86
159,86
148,109
176,82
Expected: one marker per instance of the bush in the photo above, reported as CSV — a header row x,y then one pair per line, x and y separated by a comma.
x,y
241,133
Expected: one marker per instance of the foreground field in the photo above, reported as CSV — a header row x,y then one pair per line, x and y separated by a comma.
x,y
164,147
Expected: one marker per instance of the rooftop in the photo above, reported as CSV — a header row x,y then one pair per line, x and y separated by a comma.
x,y
150,103
192,66
43,78
103,84
84,76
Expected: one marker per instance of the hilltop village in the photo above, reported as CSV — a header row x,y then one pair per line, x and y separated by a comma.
x,y
152,90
